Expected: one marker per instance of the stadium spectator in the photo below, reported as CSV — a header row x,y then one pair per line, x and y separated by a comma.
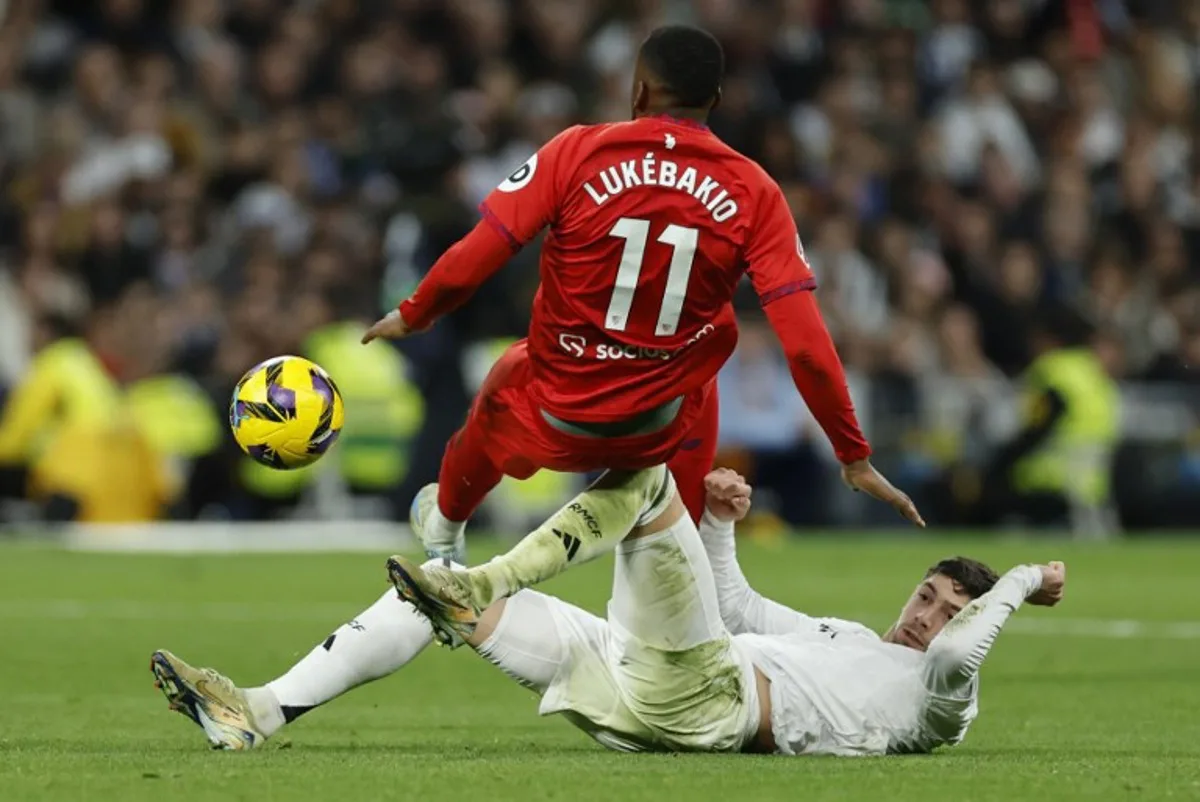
x,y
1057,470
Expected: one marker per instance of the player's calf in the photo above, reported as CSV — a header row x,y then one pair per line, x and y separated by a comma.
x,y
590,525
375,643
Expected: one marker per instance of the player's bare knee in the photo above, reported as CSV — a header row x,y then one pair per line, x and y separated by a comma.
x,y
670,516
487,623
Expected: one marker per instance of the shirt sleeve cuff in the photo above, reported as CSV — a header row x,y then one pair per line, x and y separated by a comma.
x,y
411,316
713,524
1029,578
857,453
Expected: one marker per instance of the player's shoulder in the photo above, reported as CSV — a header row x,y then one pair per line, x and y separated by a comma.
x,y
751,176
652,130
575,144
584,133
753,173
605,134
575,133
579,143
679,136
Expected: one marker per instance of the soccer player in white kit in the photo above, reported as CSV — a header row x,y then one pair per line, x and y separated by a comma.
x,y
689,658
692,659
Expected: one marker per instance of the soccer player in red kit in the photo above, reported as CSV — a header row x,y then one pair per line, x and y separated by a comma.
x,y
652,223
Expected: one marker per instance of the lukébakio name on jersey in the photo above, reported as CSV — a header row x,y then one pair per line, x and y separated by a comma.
x,y
651,172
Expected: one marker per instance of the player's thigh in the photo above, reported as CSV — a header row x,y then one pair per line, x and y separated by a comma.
x,y
664,594
565,655
676,664
499,427
694,459
538,636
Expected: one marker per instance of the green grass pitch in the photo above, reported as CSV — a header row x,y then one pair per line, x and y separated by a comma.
x,y
1097,699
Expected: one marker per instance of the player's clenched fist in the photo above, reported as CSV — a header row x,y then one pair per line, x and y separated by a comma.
x,y
1054,585
727,494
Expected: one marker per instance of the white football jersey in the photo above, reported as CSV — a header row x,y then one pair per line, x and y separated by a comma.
x,y
838,689
850,694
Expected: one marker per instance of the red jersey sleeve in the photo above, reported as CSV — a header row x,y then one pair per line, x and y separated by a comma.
x,y
513,214
817,372
781,276
455,276
774,255
528,200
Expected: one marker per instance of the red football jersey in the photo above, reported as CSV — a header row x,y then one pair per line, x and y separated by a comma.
x,y
651,225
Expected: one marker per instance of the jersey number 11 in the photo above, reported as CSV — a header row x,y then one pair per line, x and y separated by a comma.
x,y
636,232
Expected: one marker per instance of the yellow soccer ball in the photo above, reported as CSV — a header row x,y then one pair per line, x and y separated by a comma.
x,y
286,412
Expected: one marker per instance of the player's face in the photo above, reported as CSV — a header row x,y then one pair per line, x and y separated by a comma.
x,y
934,602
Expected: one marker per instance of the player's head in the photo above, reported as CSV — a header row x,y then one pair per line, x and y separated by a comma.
x,y
946,588
679,70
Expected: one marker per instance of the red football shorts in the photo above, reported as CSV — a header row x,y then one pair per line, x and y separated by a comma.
x,y
505,434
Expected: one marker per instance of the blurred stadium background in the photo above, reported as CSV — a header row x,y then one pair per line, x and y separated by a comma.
x,y
189,187
1001,199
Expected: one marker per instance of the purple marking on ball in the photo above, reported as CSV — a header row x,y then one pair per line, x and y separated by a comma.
x,y
322,445
282,399
321,387
266,455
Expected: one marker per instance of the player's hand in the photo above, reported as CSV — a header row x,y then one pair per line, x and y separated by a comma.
x,y
727,495
1054,585
862,476
390,327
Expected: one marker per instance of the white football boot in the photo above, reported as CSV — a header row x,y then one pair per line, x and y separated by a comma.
x,y
422,505
209,699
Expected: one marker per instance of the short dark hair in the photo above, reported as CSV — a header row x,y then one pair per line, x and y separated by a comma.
x,y
688,60
974,577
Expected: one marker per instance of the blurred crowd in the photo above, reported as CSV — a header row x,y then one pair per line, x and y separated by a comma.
x,y
189,187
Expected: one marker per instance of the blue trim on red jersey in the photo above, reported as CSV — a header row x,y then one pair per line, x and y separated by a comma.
x,y
791,288
495,223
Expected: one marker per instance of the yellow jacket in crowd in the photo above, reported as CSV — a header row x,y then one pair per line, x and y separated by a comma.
x,y
66,424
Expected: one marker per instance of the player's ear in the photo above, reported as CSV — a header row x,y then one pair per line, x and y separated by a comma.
x,y
641,97
716,101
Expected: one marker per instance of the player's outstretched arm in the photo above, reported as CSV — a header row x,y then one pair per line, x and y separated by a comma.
x,y
743,609
954,657
784,283
513,214
449,284
818,374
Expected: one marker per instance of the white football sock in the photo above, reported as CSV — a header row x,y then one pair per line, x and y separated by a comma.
x,y
441,532
380,640
592,524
